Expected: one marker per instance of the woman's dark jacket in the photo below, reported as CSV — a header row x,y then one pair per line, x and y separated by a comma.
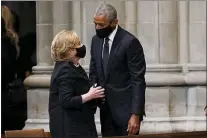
x,y
8,66
13,115
69,118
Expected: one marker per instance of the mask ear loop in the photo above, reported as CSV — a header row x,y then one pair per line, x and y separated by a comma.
x,y
80,45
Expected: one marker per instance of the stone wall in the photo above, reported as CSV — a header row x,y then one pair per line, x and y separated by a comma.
x,y
173,35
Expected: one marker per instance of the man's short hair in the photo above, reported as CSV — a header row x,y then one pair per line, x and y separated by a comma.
x,y
106,10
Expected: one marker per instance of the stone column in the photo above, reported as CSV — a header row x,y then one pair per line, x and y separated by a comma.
x,y
158,33
147,29
38,92
131,17
183,11
197,32
197,43
62,16
168,43
156,23
88,28
44,32
76,19
196,76
121,10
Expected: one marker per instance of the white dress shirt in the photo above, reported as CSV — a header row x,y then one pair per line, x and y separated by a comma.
x,y
111,39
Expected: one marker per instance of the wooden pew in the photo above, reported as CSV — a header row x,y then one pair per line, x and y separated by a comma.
x,y
195,134
47,135
35,133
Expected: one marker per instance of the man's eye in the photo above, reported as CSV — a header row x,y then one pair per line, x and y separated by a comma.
x,y
98,24
102,25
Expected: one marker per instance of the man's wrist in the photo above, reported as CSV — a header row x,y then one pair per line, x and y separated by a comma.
x,y
139,114
135,115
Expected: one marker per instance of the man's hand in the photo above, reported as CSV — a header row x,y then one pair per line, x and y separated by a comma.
x,y
133,125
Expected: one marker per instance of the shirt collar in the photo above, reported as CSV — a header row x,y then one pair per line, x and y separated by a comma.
x,y
112,35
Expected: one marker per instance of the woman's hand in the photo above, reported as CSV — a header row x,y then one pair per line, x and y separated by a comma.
x,y
97,92
93,93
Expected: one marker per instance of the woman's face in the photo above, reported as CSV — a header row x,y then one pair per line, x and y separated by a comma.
x,y
76,60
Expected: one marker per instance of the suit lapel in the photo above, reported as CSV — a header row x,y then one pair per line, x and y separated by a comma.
x,y
114,49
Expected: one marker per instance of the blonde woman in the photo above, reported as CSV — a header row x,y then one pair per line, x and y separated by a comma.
x,y
71,100
13,112
8,17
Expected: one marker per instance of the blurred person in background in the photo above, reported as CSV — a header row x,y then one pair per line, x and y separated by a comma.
x,y
9,24
27,56
13,117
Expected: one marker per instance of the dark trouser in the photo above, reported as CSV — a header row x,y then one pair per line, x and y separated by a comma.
x,y
114,130
109,127
13,118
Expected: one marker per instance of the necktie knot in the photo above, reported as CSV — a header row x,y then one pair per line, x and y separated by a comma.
x,y
106,40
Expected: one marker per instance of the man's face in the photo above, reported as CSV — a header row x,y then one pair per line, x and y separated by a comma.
x,y
102,22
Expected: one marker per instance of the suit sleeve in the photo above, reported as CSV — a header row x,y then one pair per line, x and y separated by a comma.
x,y
92,69
66,90
137,69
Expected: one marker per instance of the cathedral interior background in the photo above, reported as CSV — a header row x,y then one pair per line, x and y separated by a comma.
x,y
173,35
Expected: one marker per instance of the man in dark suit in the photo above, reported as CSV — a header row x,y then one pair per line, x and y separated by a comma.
x,y
117,64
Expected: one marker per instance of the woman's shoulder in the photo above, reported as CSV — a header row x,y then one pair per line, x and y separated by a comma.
x,y
61,71
63,66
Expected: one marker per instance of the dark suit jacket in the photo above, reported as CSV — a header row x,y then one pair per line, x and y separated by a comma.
x,y
125,82
68,116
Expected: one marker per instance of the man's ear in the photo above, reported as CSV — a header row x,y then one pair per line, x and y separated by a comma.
x,y
115,21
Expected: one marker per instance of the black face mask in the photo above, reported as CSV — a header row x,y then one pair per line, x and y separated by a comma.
x,y
81,52
102,33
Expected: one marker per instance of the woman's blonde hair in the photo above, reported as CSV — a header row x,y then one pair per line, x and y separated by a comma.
x,y
64,45
9,20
